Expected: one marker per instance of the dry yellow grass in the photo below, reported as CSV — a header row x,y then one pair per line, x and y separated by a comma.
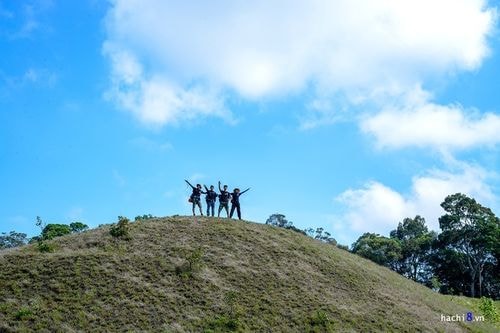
x,y
248,277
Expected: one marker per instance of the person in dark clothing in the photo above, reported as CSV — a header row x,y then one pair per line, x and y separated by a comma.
x,y
210,198
235,202
195,196
224,197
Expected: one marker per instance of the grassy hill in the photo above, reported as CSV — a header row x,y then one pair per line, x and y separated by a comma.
x,y
185,274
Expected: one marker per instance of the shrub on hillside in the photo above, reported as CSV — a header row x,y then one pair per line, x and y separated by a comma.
x,y
144,217
229,321
23,314
489,310
193,263
343,247
319,321
233,308
223,323
121,229
45,247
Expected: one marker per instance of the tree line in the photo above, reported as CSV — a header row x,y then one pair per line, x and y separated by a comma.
x,y
48,232
52,230
463,259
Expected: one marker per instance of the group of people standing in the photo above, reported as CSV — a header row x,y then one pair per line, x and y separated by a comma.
x,y
211,197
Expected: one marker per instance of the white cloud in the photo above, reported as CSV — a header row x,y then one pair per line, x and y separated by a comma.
x,y
378,208
425,124
373,207
263,49
154,99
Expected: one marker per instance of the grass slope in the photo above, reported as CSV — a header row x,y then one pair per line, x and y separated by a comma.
x,y
244,277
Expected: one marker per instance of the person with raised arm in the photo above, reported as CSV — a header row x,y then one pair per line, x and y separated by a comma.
x,y
210,198
195,197
224,197
235,202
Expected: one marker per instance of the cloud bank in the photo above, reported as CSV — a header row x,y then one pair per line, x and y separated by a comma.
x,y
422,123
174,61
378,208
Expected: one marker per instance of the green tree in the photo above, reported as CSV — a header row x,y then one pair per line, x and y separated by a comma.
x,y
144,217
382,250
53,230
43,246
279,220
324,236
78,227
416,247
449,269
472,231
491,275
12,239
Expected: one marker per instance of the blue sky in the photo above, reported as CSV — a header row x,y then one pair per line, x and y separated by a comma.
x,y
336,116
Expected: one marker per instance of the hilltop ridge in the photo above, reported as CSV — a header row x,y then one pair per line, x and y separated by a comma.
x,y
199,274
